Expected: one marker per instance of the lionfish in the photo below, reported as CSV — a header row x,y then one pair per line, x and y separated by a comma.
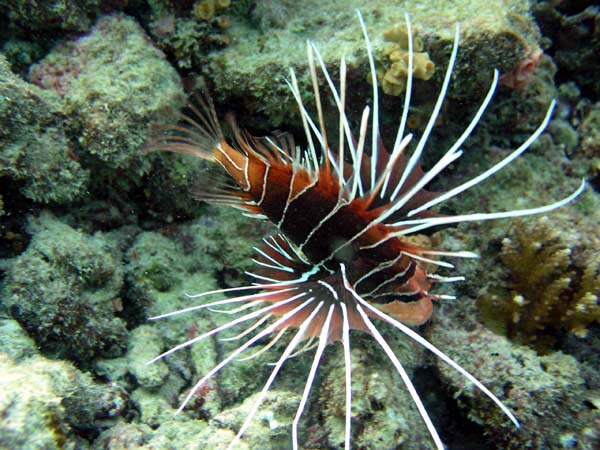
x,y
341,257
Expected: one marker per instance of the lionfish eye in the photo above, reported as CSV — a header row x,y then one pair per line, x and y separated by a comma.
x,y
342,250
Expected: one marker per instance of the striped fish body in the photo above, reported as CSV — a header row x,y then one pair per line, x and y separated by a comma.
x,y
312,211
343,254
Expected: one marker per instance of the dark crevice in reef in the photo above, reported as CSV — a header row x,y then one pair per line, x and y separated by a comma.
x,y
587,352
571,34
455,429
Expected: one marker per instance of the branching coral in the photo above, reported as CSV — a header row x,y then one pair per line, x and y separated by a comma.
x,y
555,284
393,81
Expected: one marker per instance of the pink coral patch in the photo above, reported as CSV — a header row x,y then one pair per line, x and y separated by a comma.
x,y
522,74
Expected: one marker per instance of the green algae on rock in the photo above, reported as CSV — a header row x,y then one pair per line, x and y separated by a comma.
x,y
51,15
154,263
253,67
384,411
187,31
272,431
572,28
114,83
144,343
34,143
546,392
61,290
49,404
14,340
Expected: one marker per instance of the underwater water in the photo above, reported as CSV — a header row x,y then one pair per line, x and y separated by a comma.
x,y
98,235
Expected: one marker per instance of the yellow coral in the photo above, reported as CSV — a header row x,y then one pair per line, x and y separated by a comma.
x,y
424,67
222,4
554,286
204,10
393,85
393,81
223,22
399,34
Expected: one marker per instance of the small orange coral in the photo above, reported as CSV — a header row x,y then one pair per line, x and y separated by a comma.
x,y
522,74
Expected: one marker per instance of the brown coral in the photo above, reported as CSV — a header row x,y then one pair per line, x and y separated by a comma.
x,y
555,284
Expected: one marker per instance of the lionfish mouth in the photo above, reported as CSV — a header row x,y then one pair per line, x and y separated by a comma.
x,y
341,258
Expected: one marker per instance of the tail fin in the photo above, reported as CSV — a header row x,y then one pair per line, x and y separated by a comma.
x,y
197,134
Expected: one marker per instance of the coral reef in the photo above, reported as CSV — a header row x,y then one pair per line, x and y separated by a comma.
x,y
247,73
589,131
61,290
574,40
161,265
222,242
393,81
272,430
187,35
111,85
522,74
50,404
546,393
555,283
92,73
377,391
83,288
206,9
185,258
36,152
144,344
154,263
267,15
29,29
52,15
171,434
14,341
512,116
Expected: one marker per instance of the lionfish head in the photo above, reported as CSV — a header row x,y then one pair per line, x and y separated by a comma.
x,y
342,258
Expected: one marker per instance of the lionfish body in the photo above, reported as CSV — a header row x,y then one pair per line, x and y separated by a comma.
x,y
322,225
342,255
